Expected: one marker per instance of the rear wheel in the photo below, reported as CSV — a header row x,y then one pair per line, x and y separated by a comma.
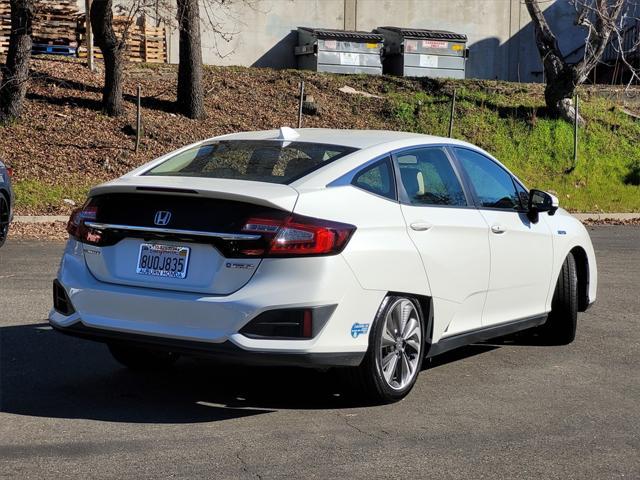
x,y
4,219
394,358
142,358
560,327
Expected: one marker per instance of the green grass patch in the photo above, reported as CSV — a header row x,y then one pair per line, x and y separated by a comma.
x,y
35,196
538,149
506,119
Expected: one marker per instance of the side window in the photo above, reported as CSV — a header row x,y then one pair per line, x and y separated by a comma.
x,y
493,185
377,178
429,179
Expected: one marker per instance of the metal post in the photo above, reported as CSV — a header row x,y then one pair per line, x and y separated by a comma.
x,y
300,104
138,120
453,111
575,132
89,35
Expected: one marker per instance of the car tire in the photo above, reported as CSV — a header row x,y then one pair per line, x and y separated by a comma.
x,y
4,218
560,327
142,358
382,378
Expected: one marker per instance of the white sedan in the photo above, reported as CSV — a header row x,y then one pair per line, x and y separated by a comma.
x,y
365,250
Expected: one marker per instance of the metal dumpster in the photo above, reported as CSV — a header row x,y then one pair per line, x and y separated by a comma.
x,y
339,51
412,52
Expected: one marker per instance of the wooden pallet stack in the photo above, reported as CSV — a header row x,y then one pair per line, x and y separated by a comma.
x,y
5,26
54,26
59,28
145,43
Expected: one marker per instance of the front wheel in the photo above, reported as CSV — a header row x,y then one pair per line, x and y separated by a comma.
x,y
142,358
560,327
394,358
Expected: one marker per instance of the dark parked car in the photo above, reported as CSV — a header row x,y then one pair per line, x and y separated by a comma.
x,y
6,201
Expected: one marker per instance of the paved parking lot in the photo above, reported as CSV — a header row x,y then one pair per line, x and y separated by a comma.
x,y
503,410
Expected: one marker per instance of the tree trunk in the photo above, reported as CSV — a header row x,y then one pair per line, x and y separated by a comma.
x,y
113,52
560,77
559,93
15,73
601,19
190,91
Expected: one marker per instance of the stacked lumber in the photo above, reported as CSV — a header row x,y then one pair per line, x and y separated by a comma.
x,y
5,26
54,26
55,23
59,28
145,43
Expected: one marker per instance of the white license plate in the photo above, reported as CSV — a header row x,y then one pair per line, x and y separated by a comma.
x,y
163,260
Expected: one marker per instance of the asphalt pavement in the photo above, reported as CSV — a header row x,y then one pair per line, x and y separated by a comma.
x,y
500,410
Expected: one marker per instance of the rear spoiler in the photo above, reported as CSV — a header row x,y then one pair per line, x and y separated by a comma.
x,y
271,195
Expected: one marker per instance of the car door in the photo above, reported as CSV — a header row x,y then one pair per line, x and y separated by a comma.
x,y
450,235
521,251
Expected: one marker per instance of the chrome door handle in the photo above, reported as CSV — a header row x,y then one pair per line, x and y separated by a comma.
x,y
497,229
420,226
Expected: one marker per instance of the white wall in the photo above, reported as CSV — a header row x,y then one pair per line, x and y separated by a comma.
x,y
501,38
264,35
485,22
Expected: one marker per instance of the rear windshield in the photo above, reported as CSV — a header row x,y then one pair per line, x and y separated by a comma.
x,y
262,161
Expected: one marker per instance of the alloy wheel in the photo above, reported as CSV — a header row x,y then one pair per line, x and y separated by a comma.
x,y
401,345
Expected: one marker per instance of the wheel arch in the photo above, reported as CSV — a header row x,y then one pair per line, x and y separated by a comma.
x,y
426,307
582,270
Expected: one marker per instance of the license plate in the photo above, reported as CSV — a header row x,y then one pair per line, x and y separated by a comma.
x,y
163,260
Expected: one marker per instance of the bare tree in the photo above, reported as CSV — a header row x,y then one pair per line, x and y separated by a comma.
x,y
218,17
220,20
190,90
113,49
15,73
604,21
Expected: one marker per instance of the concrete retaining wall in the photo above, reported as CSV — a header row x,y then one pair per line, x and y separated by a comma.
x,y
500,32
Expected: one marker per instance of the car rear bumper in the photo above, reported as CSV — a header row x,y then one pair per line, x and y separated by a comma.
x,y
205,324
226,351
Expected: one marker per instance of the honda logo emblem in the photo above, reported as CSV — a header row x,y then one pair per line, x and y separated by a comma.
x,y
162,218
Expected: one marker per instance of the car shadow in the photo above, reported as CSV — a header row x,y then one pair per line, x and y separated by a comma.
x,y
47,374
457,354
521,339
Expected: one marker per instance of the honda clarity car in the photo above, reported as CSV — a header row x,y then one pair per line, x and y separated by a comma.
x,y
363,250
6,201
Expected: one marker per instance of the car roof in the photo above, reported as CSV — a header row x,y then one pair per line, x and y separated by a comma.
x,y
369,144
348,138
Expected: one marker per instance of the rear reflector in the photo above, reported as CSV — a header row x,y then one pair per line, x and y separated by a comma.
x,y
307,323
295,323
289,323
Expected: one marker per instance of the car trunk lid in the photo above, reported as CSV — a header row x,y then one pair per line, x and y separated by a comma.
x,y
199,222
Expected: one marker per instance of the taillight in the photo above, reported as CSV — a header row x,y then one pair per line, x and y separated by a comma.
x,y
9,171
298,236
77,227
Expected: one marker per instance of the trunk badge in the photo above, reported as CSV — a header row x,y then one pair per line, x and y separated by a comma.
x,y
162,218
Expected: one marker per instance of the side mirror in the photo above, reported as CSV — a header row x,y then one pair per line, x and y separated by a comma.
x,y
540,201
